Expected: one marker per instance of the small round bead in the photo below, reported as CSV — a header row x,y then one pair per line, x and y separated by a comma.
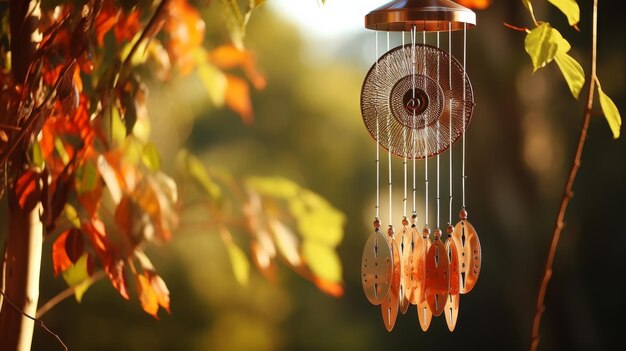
x,y
463,214
390,231
437,233
426,232
405,222
377,223
449,229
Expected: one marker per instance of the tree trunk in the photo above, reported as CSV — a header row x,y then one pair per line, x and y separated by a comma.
x,y
22,257
21,275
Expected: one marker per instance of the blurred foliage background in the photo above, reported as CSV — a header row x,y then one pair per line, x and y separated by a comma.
x,y
307,127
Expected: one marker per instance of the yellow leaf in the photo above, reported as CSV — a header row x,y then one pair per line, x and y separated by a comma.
x,y
569,8
239,262
543,43
611,113
572,71
76,276
273,187
286,241
322,260
214,81
150,157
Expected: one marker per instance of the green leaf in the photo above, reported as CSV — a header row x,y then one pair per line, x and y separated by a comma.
x,y
151,157
86,177
239,262
611,113
572,71
60,149
195,169
543,43
569,8
76,276
322,260
38,160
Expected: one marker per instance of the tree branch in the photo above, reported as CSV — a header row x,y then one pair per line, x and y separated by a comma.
x,y
567,193
39,321
65,294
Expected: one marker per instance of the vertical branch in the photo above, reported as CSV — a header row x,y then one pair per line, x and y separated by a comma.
x,y
22,258
567,194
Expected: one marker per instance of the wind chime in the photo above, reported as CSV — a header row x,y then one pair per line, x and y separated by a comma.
x,y
416,102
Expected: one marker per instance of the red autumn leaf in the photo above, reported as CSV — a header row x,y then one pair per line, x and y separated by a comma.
x,y
60,261
126,26
60,191
475,4
105,20
74,245
229,57
95,232
147,296
237,98
114,268
28,189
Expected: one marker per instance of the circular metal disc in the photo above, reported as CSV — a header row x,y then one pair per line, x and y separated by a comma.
x,y
423,15
390,304
409,97
406,256
376,268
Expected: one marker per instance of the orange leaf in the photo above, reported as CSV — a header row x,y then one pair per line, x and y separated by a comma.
x,y
475,4
331,288
60,261
114,268
126,26
28,189
105,20
237,98
229,57
147,296
161,291
185,28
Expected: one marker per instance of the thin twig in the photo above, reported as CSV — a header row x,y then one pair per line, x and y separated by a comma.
x,y
39,321
567,194
65,294
32,117
148,32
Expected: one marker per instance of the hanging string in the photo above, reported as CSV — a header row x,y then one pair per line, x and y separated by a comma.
x,y
463,131
437,139
389,158
414,131
377,138
425,141
450,119
405,152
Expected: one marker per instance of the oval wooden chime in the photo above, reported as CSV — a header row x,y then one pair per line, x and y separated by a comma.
x,y
416,102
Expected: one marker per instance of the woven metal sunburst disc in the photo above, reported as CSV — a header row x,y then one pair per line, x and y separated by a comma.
x,y
409,97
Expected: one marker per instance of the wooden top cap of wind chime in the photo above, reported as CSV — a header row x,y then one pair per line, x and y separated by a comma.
x,y
422,15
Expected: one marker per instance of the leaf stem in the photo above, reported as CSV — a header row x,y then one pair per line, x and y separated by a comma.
x,y
567,194
65,294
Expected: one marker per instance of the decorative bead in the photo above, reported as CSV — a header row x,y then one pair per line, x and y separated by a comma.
x,y
377,223
426,232
463,214
390,231
449,229
405,222
437,233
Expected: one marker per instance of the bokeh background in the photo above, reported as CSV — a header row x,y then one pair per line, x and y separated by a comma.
x,y
308,128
